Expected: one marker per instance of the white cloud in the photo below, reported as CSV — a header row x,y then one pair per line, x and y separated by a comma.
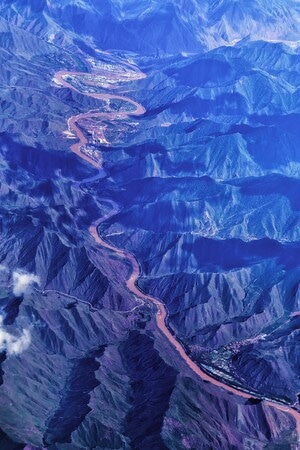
x,y
12,344
22,280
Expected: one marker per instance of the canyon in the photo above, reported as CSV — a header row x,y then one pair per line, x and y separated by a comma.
x,y
149,225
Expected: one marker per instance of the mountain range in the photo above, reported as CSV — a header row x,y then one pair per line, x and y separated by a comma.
x,y
201,188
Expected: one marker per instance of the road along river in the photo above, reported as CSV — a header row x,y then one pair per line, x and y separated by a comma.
x,y
132,280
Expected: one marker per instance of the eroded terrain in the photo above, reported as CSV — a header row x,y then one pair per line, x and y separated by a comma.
x,y
196,191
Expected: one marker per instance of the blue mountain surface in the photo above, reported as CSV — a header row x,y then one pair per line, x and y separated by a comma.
x,y
196,192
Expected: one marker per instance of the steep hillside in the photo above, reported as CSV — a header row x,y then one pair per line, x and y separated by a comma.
x,y
149,149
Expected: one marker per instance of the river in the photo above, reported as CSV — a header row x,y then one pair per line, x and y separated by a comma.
x,y
161,314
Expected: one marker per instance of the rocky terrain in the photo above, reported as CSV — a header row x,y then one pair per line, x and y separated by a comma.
x,y
205,184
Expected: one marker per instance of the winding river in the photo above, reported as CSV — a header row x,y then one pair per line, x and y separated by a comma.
x,y
161,314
